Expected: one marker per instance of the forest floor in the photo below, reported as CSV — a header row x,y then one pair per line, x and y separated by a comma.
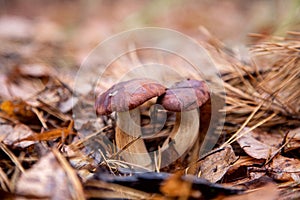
x,y
53,145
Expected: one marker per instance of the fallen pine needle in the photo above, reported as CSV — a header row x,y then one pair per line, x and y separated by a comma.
x,y
77,191
13,158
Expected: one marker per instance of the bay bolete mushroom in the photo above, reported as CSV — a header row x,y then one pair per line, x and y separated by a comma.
x,y
124,98
185,98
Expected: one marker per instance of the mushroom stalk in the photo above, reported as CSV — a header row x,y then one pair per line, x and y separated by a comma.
x,y
185,130
205,118
128,129
124,98
184,98
174,129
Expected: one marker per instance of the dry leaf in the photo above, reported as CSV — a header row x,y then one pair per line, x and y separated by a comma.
x,y
5,129
4,92
51,134
214,166
271,138
254,147
243,171
36,36
283,169
294,137
16,86
46,178
18,109
245,161
11,135
295,133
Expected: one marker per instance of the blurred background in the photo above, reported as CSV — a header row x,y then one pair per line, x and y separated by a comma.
x,y
63,32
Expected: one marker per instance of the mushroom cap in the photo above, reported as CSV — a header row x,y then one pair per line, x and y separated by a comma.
x,y
185,95
127,95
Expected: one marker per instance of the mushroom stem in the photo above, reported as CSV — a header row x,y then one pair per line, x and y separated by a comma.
x,y
174,129
128,130
185,131
205,118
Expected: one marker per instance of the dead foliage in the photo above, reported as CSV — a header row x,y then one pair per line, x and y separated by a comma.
x,y
45,155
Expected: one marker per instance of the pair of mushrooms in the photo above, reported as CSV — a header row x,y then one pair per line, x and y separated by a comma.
x,y
124,98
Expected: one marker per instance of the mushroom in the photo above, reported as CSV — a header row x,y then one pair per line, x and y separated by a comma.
x,y
184,98
124,98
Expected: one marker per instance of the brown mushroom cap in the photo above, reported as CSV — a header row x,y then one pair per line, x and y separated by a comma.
x,y
127,95
185,95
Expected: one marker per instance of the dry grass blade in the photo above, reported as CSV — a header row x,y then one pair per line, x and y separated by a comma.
x,y
158,160
234,136
51,134
40,117
80,143
106,194
272,80
125,147
12,156
76,186
53,111
125,192
124,164
4,181
252,128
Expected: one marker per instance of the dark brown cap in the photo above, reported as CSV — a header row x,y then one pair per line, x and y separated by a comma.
x,y
127,95
185,95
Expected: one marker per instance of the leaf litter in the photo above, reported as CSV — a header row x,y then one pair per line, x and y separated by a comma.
x,y
45,155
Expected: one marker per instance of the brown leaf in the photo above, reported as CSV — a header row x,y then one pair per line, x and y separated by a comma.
x,y
254,147
51,134
245,161
46,178
12,134
295,133
294,136
17,86
4,92
5,130
271,138
243,171
67,105
214,166
282,168
18,109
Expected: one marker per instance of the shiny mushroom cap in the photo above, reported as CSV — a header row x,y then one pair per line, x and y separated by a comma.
x,y
127,95
185,95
